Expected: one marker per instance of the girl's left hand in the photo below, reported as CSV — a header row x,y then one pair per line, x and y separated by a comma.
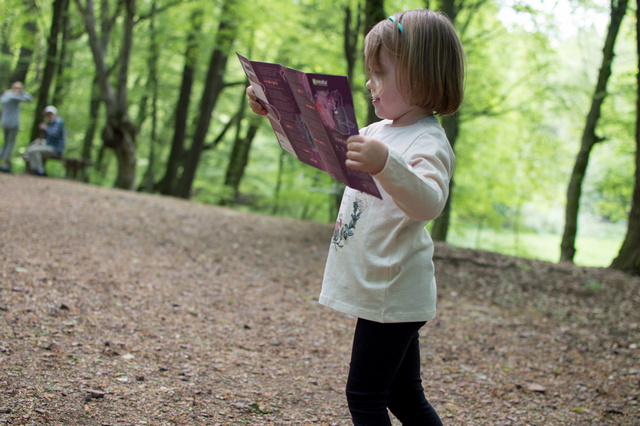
x,y
366,154
254,103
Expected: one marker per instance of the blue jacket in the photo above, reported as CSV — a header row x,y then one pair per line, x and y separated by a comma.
x,y
55,134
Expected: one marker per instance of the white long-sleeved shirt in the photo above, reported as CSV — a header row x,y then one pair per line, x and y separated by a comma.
x,y
380,263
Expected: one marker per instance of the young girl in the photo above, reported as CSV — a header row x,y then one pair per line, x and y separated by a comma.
x,y
379,268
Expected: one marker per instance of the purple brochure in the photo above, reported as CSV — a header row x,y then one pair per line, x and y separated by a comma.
x,y
312,116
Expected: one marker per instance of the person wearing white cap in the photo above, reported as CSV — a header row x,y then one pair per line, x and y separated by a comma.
x,y
55,135
11,100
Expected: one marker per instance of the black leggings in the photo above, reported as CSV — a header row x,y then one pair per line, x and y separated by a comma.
x,y
385,372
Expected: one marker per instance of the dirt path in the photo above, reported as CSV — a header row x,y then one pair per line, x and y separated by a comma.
x,y
119,308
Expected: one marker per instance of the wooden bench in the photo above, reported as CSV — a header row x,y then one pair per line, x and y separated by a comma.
x,y
75,168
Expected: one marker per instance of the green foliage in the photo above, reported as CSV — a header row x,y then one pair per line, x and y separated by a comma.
x,y
612,177
503,150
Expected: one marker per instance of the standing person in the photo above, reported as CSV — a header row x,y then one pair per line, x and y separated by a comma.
x,y
10,100
380,264
55,136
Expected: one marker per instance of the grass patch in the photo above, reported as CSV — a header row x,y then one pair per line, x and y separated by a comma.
x,y
590,251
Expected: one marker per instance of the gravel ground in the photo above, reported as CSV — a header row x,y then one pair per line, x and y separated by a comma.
x,y
120,308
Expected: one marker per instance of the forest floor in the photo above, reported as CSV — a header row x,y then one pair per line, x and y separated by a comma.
x,y
121,308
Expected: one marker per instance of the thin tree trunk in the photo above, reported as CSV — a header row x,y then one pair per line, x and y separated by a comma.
x,y
440,229
152,88
94,106
589,138
27,42
64,59
6,58
373,13
214,84
628,258
451,125
118,132
278,188
50,65
24,60
168,184
143,101
125,149
351,37
240,153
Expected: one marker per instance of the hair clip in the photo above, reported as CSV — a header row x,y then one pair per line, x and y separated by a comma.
x,y
394,20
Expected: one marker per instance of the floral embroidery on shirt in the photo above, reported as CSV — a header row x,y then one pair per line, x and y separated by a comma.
x,y
342,230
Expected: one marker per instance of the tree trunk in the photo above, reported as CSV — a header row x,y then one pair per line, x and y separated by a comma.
x,y
59,7
27,41
24,61
64,60
25,38
6,58
589,138
276,193
451,125
118,136
227,30
240,153
373,13
628,258
125,144
168,184
119,132
351,36
440,229
94,106
152,90
240,157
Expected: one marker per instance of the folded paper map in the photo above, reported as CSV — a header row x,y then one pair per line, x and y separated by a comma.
x,y
312,116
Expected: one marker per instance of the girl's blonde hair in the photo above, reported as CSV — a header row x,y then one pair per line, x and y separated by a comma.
x,y
424,44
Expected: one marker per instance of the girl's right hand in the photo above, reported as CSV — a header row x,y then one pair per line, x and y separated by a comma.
x,y
366,154
254,103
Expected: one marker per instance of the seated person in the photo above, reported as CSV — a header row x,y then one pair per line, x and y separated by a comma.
x,y
54,135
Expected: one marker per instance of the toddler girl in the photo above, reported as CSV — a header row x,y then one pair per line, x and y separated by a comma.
x,y
380,268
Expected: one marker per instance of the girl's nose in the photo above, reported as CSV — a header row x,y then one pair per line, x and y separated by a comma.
x,y
368,84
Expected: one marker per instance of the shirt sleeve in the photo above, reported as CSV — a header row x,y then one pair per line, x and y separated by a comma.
x,y
418,182
9,96
26,97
